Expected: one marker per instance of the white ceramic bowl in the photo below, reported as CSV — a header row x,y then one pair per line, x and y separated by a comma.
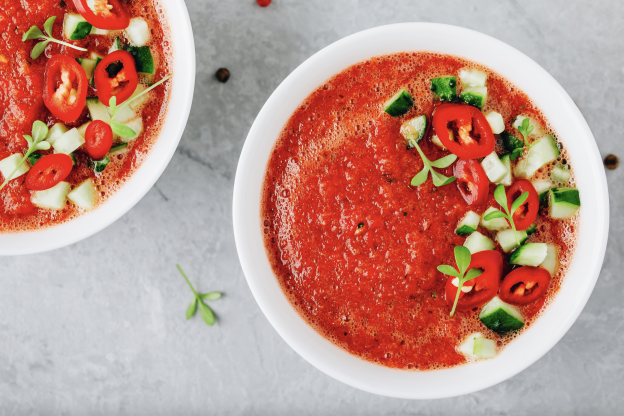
x,y
559,110
143,179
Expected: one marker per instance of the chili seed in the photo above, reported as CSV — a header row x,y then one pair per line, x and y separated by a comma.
x,y
611,162
222,75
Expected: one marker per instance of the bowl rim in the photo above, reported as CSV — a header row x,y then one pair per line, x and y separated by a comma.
x,y
561,313
181,87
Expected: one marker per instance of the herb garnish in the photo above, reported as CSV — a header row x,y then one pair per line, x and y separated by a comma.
x,y
525,129
462,258
438,178
35,142
204,310
36,33
121,129
501,198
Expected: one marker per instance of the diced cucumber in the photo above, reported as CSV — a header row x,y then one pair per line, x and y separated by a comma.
x,y
134,104
564,202
436,140
468,224
96,31
467,346
537,127
34,157
8,165
475,96
472,77
494,168
136,125
478,242
484,348
444,88
53,198
495,224
414,130
118,149
138,31
68,142
96,56
88,65
55,132
83,129
99,165
501,317
496,122
76,27
143,59
399,104
542,187
116,46
507,239
551,261
124,114
84,195
506,160
511,142
97,110
531,229
530,254
542,153
560,174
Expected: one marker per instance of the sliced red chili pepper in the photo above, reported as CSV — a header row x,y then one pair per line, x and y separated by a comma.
x,y
464,130
114,18
472,181
524,285
116,75
98,139
65,88
484,287
48,171
527,212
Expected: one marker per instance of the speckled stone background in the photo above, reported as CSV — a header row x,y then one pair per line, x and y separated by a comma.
x,y
98,328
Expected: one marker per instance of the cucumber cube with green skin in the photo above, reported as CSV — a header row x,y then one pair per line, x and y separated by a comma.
x,y
551,261
531,229
484,348
399,104
537,127
506,161
501,317
495,224
53,198
99,165
118,149
414,130
88,65
540,154
530,254
34,157
542,187
507,239
477,242
467,346
444,88
76,27
84,195
560,174
472,77
494,168
83,128
144,60
511,142
468,224
475,96
97,110
68,142
496,122
136,125
10,163
55,132
564,202
436,140
115,46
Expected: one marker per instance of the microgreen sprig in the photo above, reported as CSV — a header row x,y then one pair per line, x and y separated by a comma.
x,y
204,310
462,259
501,198
35,142
438,178
36,33
121,129
525,129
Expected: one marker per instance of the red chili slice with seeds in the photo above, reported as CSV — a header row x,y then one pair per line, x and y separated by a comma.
x,y
524,285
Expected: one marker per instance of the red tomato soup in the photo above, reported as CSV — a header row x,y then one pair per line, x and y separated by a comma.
x,y
22,102
355,247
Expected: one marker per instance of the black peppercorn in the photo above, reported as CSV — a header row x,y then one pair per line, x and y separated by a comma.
x,y
222,75
611,162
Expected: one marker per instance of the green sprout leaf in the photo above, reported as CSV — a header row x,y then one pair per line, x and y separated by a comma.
x,y
38,49
473,273
501,198
39,131
122,130
462,259
448,270
421,177
519,201
47,26
438,178
444,162
493,215
33,33
198,302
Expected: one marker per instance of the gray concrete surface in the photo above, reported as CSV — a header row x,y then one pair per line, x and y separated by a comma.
x,y
98,328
